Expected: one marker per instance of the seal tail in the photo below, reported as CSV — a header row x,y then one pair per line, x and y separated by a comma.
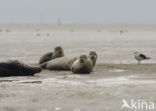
x,y
148,58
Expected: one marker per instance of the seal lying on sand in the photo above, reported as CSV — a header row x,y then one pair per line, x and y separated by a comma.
x,y
58,52
16,68
65,63
82,65
93,57
62,63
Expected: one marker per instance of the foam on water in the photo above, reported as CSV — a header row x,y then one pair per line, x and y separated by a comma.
x,y
133,79
121,80
62,81
117,70
101,82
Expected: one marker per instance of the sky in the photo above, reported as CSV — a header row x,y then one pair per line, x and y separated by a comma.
x,y
78,11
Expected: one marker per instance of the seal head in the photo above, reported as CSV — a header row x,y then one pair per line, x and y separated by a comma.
x,y
93,57
58,52
83,65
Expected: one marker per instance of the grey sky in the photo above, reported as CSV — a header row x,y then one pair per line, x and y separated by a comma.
x,y
78,11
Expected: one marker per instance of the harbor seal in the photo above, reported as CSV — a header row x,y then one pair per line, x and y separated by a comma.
x,y
65,63
58,52
93,57
16,68
62,63
83,65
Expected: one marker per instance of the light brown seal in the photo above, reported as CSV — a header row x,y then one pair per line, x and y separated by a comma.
x,y
58,52
82,64
62,63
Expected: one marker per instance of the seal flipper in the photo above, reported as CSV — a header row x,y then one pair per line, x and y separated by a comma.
x,y
30,70
46,57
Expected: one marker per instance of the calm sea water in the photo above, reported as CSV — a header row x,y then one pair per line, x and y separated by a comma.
x,y
112,46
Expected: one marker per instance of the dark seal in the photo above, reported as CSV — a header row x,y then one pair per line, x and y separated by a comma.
x,y
58,52
16,68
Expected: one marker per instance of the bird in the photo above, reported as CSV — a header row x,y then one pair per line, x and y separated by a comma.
x,y
139,57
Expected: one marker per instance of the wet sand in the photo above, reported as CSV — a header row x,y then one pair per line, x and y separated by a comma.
x,y
101,90
116,75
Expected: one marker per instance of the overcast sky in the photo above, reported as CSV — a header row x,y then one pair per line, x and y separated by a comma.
x,y
78,11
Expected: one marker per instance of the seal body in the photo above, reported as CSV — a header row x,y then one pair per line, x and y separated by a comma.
x,y
82,65
58,52
62,63
16,68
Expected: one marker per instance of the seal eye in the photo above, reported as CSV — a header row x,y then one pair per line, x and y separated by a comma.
x,y
93,53
83,56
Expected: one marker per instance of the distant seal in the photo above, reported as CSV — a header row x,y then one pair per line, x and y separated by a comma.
x,y
62,63
82,65
16,68
93,57
58,52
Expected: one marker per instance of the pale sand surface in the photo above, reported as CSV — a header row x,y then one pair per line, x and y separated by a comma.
x,y
115,77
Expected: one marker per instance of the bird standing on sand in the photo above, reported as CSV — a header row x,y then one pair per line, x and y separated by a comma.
x,y
139,57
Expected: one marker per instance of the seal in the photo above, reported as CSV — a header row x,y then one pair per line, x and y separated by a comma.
x,y
58,52
17,68
62,63
46,57
93,57
83,65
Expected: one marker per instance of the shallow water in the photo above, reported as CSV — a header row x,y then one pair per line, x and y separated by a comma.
x,y
24,43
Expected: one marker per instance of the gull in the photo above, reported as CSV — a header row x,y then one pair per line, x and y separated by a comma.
x,y
139,57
